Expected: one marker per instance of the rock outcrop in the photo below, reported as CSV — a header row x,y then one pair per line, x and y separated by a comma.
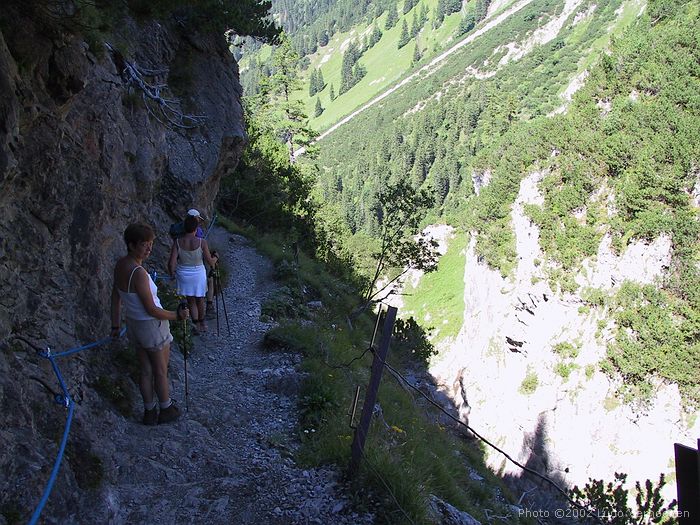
x,y
557,414
81,156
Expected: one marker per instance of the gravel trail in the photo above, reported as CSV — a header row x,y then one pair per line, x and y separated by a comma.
x,y
229,459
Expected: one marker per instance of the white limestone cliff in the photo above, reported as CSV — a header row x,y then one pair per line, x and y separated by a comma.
x,y
572,429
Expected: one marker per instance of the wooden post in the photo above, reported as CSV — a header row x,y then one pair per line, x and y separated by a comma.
x,y
688,483
358,442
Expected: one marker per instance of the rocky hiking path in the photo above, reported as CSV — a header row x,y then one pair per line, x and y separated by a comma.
x,y
229,459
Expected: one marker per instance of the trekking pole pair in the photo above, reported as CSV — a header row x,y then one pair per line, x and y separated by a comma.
x,y
218,290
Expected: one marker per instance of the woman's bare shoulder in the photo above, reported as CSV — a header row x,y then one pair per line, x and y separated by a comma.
x,y
123,270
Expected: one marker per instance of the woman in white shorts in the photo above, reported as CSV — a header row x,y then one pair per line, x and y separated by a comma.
x,y
187,258
146,323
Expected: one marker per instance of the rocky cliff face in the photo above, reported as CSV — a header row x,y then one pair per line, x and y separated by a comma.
x,y
564,422
81,156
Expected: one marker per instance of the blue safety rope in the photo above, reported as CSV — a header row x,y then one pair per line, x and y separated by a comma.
x,y
155,277
56,466
91,345
66,400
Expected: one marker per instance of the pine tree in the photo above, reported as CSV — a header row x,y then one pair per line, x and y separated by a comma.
x,y
481,9
332,93
359,71
375,37
405,37
312,84
408,5
251,79
346,71
423,15
419,171
452,6
416,55
415,27
323,38
441,186
466,24
346,68
391,16
284,81
439,15
320,83
441,9
319,109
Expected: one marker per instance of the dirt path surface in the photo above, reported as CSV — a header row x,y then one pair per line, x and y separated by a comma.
x,y
229,458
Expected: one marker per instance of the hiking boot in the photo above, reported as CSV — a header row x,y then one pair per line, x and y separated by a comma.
x,y
150,417
168,414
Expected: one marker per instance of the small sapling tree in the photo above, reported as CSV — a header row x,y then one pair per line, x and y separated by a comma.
x,y
401,249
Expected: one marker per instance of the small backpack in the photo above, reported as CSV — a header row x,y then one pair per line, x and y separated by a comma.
x,y
177,230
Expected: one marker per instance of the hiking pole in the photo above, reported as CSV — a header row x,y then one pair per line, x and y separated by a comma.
x,y
213,273
223,301
216,296
182,306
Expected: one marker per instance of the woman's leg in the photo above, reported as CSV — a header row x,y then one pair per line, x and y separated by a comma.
x,y
159,362
192,305
145,376
200,314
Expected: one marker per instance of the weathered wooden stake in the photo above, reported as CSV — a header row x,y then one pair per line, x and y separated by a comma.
x,y
688,483
358,442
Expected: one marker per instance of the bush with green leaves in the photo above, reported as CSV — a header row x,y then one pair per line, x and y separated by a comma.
x,y
266,189
564,369
657,337
566,350
530,383
608,503
284,302
317,401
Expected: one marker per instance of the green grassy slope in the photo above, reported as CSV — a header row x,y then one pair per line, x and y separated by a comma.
x,y
437,301
385,63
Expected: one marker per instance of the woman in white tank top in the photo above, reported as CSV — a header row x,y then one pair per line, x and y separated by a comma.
x,y
146,322
186,262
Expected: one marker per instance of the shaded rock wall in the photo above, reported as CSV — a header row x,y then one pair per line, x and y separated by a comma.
x,y
80,158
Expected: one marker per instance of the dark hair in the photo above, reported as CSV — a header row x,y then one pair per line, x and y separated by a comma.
x,y
138,232
191,223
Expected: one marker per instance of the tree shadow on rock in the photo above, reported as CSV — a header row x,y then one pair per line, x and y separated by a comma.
x,y
537,486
